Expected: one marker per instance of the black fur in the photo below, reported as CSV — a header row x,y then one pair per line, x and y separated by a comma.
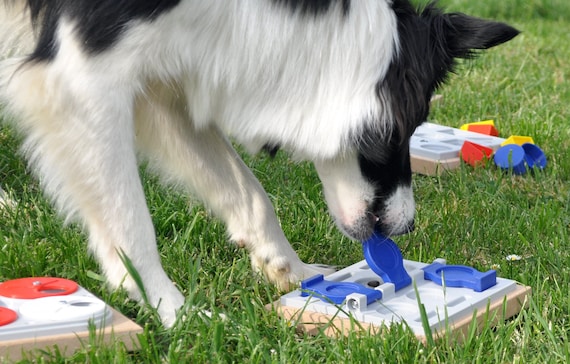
x,y
430,43
271,149
99,22
314,7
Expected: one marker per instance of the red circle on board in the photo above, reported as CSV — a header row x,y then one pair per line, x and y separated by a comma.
x,y
37,287
7,316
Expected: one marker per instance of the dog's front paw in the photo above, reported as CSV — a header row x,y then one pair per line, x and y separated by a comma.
x,y
286,272
168,305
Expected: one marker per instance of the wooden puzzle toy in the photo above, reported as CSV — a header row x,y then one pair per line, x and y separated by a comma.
x,y
37,313
435,148
385,289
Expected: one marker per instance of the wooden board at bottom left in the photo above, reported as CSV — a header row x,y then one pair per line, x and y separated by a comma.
x,y
120,329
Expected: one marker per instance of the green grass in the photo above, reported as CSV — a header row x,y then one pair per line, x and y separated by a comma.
x,y
470,216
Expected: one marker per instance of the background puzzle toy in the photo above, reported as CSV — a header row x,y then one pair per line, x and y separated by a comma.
x,y
36,313
434,148
450,294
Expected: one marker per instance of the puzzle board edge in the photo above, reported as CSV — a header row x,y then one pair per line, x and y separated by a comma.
x,y
121,328
333,326
432,167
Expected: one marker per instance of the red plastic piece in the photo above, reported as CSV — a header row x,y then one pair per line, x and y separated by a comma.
x,y
37,287
7,316
474,154
483,129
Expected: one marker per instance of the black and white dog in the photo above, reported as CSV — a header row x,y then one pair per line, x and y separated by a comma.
x,y
93,84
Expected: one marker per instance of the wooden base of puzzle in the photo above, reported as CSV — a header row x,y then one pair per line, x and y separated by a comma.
x,y
431,167
314,322
121,329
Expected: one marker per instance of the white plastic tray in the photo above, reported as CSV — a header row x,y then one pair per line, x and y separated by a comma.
x,y
443,305
54,315
438,142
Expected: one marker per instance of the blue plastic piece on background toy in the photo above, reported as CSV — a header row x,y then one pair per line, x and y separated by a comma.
x,y
460,276
511,156
336,291
385,259
534,156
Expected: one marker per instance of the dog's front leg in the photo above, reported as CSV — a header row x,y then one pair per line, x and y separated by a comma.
x,y
208,163
80,139
205,162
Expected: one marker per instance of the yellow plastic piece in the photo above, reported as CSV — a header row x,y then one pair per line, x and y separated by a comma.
x,y
484,122
518,139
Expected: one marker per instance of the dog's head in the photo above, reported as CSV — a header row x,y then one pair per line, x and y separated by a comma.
x,y
369,187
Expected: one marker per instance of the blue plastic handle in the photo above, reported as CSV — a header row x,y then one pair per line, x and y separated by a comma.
x,y
336,291
460,276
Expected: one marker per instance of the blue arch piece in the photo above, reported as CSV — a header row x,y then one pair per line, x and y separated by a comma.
x,y
385,259
460,276
336,291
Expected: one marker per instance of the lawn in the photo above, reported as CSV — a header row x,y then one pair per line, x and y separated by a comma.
x,y
469,216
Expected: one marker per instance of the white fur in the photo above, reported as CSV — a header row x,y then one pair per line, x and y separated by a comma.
x,y
347,193
400,207
5,200
16,34
174,89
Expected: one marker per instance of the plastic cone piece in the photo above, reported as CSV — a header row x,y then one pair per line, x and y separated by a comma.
x,y
484,122
511,156
484,129
518,139
474,154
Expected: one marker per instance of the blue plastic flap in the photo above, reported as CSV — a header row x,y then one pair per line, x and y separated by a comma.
x,y
336,291
460,276
385,259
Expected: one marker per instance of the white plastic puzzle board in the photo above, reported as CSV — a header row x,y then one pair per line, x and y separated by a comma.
x,y
445,307
36,313
434,147
52,315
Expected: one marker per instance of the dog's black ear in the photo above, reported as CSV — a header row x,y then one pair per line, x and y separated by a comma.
x,y
465,34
